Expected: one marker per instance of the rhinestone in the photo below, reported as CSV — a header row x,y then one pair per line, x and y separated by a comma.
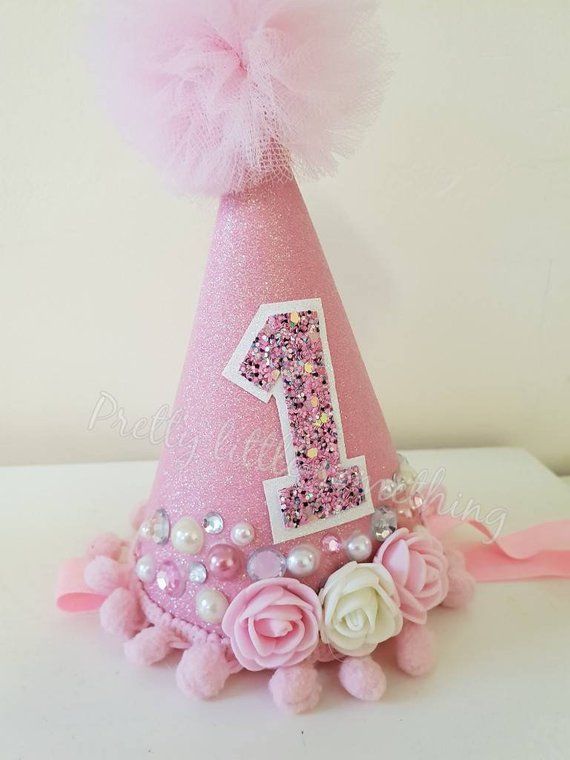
x,y
331,544
160,527
169,578
197,572
387,488
213,523
384,523
266,563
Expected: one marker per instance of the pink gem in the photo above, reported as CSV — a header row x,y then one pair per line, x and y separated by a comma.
x,y
169,578
266,563
331,544
224,562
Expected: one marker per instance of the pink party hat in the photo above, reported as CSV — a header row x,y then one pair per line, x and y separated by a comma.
x,y
282,528
278,436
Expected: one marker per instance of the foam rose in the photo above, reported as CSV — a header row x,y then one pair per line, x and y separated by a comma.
x,y
360,608
273,623
416,562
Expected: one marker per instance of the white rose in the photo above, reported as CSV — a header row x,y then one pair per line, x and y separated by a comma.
x,y
360,608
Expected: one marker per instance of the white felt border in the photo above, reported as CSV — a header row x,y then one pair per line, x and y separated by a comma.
x,y
273,486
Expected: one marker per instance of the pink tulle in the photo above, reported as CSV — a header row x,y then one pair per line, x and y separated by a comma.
x,y
363,678
221,94
296,689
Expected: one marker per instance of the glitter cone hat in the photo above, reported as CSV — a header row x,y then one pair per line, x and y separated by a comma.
x,y
242,484
282,529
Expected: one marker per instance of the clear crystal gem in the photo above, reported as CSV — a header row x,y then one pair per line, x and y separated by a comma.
x,y
197,572
384,523
213,523
331,544
266,563
169,578
160,527
387,488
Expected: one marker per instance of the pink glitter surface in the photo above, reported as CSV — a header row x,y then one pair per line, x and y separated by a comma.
x,y
264,250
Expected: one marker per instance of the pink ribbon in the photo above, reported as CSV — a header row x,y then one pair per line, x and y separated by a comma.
x,y
541,551
72,594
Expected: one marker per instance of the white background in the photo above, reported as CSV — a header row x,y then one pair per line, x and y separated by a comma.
x,y
448,234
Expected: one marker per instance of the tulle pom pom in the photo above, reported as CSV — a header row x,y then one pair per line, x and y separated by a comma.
x,y
296,689
203,671
363,678
221,94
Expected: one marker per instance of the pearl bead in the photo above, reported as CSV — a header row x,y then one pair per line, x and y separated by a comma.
x,y
146,569
302,560
211,605
359,547
242,534
145,529
187,536
224,562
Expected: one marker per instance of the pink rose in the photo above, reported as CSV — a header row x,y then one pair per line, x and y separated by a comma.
x,y
272,623
418,566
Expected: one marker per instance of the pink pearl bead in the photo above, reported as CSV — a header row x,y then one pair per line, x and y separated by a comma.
x,y
224,562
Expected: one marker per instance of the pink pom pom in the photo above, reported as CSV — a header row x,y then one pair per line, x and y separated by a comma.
x,y
104,575
106,545
363,678
415,653
455,559
149,646
222,95
120,614
461,589
296,689
203,670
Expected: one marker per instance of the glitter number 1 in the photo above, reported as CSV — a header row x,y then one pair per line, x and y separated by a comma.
x,y
284,354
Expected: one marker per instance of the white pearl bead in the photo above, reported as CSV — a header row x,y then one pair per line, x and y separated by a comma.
x,y
359,547
211,605
146,569
145,529
302,561
242,534
187,536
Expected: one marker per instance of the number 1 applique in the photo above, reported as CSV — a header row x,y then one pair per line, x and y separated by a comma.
x,y
284,353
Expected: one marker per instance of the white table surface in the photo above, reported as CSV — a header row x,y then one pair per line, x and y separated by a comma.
x,y
501,688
